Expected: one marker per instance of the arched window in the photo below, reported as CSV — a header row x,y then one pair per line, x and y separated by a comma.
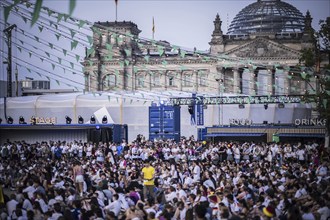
x,y
109,82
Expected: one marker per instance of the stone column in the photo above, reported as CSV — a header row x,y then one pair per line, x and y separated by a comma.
x,y
195,72
149,79
287,83
181,80
272,82
269,82
164,79
253,85
237,80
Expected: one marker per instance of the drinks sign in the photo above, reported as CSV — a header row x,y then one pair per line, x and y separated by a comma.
x,y
312,121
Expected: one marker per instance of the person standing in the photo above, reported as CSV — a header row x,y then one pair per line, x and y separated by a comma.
x,y
78,175
148,175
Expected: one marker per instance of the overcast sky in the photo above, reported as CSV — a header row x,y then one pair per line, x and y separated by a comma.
x,y
186,23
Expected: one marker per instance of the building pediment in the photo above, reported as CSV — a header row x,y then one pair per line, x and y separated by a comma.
x,y
261,48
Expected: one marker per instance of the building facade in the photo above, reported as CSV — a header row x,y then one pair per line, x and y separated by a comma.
x,y
258,56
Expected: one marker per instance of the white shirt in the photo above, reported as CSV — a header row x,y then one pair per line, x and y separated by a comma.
x,y
237,153
197,173
169,197
324,213
29,190
114,207
182,215
27,205
43,205
182,193
300,154
300,192
11,206
188,181
208,183
308,216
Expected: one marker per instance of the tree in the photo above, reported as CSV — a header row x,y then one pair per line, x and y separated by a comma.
x,y
315,60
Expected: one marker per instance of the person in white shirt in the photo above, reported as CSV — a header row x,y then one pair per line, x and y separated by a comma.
x,y
237,155
187,180
171,194
27,205
323,211
322,171
114,206
180,212
307,214
256,152
89,150
42,203
11,204
30,189
180,191
57,211
196,172
301,155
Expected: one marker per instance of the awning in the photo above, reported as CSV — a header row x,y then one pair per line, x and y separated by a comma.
x,y
301,135
235,135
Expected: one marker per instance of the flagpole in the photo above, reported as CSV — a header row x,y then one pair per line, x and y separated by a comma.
x,y
153,28
116,1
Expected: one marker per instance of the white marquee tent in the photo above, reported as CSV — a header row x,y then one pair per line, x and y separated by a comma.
x,y
131,108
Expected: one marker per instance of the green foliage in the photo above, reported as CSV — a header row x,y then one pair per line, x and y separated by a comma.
x,y
311,59
308,57
324,34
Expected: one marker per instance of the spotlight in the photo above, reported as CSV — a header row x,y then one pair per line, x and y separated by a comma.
x,y
92,121
266,106
21,120
281,105
105,120
68,119
80,120
241,106
10,120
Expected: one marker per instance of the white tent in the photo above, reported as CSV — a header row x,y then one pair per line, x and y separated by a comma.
x,y
131,108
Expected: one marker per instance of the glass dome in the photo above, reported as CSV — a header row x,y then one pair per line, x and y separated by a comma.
x,y
267,16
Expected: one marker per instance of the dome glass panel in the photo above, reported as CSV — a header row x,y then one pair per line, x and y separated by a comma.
x,y
267,16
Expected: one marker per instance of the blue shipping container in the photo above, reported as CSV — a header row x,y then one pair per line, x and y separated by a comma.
x,y
164,122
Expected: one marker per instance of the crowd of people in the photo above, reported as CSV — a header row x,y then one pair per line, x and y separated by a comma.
x,y
164,179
